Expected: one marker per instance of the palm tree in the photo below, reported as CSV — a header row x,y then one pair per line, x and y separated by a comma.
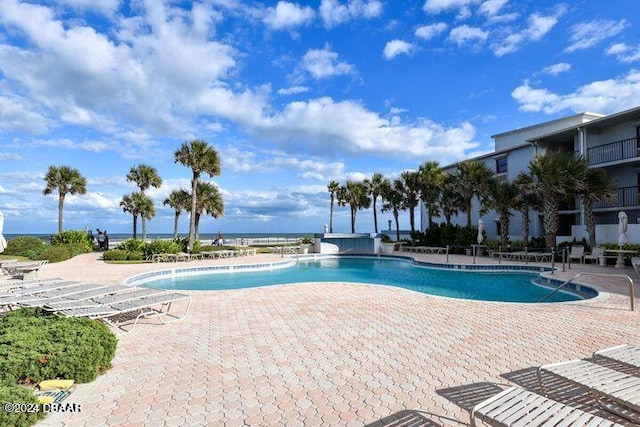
x,y
65,180
138,205
432,179
355,195
556,176
597,187
393,201
179,200
210,202
526,200
472,179
333,188
503,198
374,188
449,200
410,185
201,158
144,176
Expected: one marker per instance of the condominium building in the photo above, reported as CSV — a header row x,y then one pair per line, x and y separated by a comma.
x,y
611,142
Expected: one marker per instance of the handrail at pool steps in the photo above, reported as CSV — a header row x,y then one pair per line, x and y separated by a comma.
x,y
563,284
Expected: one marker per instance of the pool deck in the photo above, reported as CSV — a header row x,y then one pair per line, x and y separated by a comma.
x,y
337,354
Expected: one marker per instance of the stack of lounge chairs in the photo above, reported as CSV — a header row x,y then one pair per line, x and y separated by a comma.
x,y
20,269
118,306
617,390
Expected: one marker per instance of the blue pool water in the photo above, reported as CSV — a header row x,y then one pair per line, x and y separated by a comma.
x,y
491,286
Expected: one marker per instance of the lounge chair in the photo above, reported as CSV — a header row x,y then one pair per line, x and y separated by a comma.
x,y
80,299
119,314
625,354
595,255
37,289
518,407
577,252
635,263
40,298
604,383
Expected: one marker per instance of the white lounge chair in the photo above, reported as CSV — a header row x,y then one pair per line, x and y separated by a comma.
x,y
626,354
577,252
635,263
595,255
81,299
604,383
518,407
37,289
41,298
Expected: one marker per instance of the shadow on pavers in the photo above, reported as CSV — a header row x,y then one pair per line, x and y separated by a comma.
x,y
468,396
406,418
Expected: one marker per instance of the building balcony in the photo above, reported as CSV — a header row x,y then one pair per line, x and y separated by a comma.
x,y
625,197
614,151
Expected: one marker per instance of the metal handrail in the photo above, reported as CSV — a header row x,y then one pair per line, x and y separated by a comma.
x,y
631,293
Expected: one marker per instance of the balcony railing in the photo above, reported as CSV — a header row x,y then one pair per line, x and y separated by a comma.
x,y
625,196
614,151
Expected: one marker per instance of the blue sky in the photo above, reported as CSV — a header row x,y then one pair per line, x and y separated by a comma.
x,y
291,94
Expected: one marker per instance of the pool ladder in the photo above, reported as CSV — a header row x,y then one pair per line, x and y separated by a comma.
x,y
629,279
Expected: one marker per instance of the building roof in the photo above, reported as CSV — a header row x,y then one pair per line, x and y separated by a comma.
x,y
586,117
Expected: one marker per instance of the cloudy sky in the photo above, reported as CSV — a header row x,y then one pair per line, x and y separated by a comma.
x,y
291,94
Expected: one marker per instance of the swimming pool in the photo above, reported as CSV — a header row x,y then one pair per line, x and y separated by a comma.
x,y
504,286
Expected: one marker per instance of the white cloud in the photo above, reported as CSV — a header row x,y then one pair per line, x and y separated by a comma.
x,y
4,157
538,27
624,53
394,48
107,7
334,12
588,34
287,16
492,7
556,69
324,63
604,96
293,90
427,32
465,35
437,6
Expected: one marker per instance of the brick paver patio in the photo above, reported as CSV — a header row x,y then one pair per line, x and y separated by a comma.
x,y
335,354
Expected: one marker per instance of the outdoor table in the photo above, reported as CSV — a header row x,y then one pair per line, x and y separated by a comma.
x,y
620,252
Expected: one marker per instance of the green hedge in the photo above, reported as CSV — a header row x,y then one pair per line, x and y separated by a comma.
x,y
12,393
79,238
36,346
24,246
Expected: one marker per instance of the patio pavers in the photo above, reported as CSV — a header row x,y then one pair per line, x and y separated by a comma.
x,y
331,354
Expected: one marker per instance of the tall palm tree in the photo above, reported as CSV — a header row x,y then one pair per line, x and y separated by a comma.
x,y
209,202
473,179
138,205
65,180
144,176
449,200
179,201
201,158
597,187
393,201
355,195
526,200
410,185
503,198
556,176
333,188
432,179
374,188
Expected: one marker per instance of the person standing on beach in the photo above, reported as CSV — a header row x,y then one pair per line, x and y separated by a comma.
x,y
100,239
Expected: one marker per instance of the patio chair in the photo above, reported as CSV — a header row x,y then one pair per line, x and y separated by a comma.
x,y
635,263
595,255
626,354
516,406
577,252
609,385
37,289
38,299
81,299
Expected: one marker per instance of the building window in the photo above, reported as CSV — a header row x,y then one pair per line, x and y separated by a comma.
x,y
501,165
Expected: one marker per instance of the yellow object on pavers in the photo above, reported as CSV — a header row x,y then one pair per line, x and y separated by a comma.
x,y
45,399
55,384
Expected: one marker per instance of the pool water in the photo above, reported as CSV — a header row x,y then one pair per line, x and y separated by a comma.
x,y
489,286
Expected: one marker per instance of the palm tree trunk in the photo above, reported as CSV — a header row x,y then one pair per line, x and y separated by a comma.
x,y
550,221
375,215
468,208
144,229
411,219
175,226
504,229
525,226
353,220
590,222
197,227
60,205
135,226
396,214
192,219
331,217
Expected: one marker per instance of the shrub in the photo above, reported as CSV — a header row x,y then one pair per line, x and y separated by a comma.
x,y
115,255
132,245
134,256
78,237
56,253
17,394
36,346
23,244
384,238
183,243
161,247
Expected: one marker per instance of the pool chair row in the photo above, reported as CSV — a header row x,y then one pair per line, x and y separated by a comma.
x,y
20,269
118,306
229,253
618,392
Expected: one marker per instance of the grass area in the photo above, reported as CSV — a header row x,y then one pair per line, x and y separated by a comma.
x,y
19,258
